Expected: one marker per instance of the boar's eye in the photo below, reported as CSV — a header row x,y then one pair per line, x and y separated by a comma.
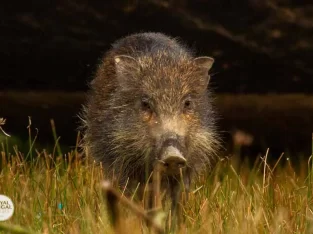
x,y
187,104
146,108
145,104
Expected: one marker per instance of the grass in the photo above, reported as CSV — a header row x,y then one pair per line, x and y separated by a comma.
x,y
57,192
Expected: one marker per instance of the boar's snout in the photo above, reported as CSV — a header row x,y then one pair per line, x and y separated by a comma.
x,y
172,160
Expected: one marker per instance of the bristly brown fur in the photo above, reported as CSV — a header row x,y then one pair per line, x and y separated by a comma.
x,y
165,71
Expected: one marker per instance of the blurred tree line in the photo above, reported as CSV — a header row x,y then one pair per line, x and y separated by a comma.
x,y
260,46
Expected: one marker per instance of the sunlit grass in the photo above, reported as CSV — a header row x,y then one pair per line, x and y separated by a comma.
x,y
60,193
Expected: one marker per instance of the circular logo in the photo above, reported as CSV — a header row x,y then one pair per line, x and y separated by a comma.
x,y
6,208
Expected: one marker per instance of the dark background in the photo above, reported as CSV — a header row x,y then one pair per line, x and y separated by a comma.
x,y
261,47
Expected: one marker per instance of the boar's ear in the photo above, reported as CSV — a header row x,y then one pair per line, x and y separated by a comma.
x,y
126,68
205,64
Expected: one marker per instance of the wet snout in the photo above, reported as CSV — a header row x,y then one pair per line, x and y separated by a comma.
x,y
173,160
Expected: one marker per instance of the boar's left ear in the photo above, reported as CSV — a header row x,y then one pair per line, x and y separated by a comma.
x,y
126,68
205,64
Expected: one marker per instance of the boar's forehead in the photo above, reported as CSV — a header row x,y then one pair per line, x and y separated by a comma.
x,y
171,79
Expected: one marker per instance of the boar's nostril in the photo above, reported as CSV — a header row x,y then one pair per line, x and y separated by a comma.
x,y
173,159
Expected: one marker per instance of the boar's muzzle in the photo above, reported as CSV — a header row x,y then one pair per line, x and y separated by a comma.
x,y
173,160
171,156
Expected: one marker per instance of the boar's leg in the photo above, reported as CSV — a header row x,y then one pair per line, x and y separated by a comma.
x,y
177,186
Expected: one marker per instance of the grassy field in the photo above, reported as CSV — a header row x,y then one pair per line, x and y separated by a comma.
x,y
56,192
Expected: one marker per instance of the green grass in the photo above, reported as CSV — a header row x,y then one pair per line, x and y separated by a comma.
x,y
55,193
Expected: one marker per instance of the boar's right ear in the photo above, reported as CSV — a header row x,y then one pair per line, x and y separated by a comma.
x,y
126,68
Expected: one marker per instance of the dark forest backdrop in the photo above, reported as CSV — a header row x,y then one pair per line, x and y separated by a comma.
x,y
260,45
